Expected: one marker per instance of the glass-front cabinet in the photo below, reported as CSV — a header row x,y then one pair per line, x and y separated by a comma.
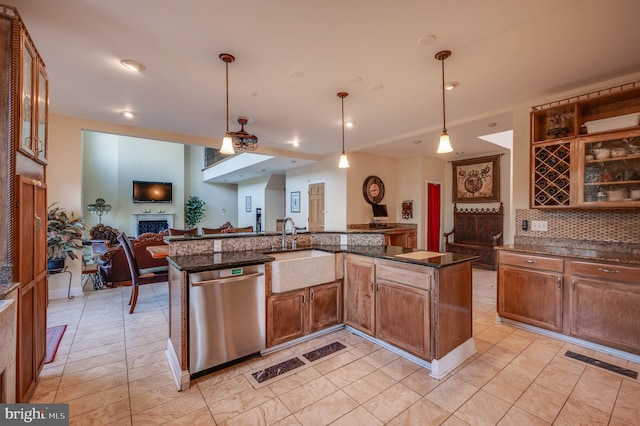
x,y
609,170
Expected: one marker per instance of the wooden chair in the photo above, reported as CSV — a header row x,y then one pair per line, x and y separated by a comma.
x,y
140,276
245,229
206,231
174,232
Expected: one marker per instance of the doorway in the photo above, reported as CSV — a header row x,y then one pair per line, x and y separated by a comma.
x,y
316,207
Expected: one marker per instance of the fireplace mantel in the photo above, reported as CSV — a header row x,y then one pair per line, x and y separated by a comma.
x,y
140,217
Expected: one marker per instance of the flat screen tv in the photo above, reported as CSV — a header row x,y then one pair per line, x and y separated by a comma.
x,y
152,192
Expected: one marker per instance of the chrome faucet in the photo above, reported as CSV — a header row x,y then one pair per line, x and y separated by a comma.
x,y
284,230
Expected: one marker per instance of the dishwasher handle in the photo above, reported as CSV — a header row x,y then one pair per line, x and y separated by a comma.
x,y
226,279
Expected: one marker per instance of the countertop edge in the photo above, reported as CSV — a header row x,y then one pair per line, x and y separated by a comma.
x,y
568,252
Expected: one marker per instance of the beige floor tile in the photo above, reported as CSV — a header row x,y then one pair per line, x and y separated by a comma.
x,y
420,382
92,373
358,417
525,367
326,410
335,362
498,356
482,346
627,408
349,373
148,370
541,402
591,391
225,389
477,373
631,387
400,368
91,387
601,377
575,412
391,402
223,375
515,343
146,384
104,413
170,410
493,334
557,380
74,366
543,349
422,413
381,357
239,403
148,358
288,421
308,393
518,417
368,387
155,397
199,417
454,421
567,364
97,401
286,384
268,413
451,394
482,409
507,386
96,351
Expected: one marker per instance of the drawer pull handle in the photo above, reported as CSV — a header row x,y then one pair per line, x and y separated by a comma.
x,y
573,285
530,261
608,271
559,283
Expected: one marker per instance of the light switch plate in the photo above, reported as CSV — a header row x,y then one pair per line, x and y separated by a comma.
x,y
539,225
217,245
343,240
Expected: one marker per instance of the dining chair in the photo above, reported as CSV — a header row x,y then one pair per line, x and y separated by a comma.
x,y
140,276
206,231
174,232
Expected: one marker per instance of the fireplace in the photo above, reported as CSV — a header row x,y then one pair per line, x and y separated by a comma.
x,y
151,222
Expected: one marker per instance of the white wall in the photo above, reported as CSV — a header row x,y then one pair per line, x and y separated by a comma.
x,y
365,165
254,188
274,207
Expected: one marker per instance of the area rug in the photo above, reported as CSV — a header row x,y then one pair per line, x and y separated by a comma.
x,y
54,336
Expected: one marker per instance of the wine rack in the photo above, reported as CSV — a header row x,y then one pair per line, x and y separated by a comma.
x,y
551,175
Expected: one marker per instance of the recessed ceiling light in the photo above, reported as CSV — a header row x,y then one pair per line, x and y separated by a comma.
x,y
427,40
376,87
355,79
492,124
296,74
417,142
349,124
132,65
450,85
459,152
128,114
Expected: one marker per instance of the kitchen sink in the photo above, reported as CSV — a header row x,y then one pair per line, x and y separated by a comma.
x,y
299,269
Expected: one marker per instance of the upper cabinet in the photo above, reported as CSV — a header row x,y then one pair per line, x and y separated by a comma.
x,y
585,151
34,102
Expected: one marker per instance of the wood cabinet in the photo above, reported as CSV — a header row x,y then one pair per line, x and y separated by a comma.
x,y
403,307
297,313
359,295
573,167
605,304
31,213
530,289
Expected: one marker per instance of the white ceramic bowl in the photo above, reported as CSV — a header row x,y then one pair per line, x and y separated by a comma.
x,y
618,152
635,194
616,195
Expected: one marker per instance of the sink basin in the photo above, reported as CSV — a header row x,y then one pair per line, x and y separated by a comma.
x,y
299,269
420,255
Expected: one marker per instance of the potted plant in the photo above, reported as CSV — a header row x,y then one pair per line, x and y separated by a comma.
x,y
193,211
64,236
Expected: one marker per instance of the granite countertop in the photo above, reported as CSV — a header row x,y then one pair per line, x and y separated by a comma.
x,y
212,261
576,253
6,288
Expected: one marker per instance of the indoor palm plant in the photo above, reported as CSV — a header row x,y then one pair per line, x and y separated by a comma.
x,y
193,211
64,236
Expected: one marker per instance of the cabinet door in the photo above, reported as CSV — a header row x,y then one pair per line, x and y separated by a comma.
x,y
606,312
609,170
529,296
27,99
325,306
41,114
287,316
403,317
359,277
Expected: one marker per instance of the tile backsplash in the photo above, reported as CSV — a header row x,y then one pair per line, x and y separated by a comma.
x,y
616,230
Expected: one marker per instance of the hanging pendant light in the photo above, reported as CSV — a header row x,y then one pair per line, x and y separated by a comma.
x,y
240,140
344,162
445,144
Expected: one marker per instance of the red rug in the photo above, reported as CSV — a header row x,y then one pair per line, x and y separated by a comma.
x,y
54,336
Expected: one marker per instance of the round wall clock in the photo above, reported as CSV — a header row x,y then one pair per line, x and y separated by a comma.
x,y
373,189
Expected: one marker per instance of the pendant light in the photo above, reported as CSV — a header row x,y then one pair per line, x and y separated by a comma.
x,y
344,163
227,142
445,144
240,140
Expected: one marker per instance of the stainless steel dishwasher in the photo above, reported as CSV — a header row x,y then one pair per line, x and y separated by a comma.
x,y
227,317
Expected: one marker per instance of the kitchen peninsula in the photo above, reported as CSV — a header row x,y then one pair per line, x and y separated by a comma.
x,y
415,302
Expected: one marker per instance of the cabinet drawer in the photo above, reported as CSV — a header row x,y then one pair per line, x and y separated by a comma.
x,y
533,262
407,274
606,271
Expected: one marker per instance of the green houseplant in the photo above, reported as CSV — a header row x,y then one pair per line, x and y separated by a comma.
x,y
193,211
64,236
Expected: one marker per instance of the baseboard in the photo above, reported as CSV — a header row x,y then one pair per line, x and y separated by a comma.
x,y
181,378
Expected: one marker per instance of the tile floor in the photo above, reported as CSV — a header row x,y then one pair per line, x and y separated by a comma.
x,y
111,369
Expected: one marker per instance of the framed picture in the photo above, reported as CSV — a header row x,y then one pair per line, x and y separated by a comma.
x,y
247,204
295,202
476,180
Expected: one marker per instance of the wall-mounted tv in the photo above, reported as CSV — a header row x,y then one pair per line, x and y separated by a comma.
x,y
380,211
152,192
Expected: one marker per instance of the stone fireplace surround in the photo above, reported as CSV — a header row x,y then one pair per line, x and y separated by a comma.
x,y
148,217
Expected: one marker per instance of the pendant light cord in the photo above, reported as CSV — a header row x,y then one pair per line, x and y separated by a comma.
x,y
444,113
342,124
226,63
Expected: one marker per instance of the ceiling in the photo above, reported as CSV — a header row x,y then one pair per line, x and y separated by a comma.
x,y
293,57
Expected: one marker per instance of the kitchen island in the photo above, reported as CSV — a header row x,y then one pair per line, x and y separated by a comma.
x,y
419,302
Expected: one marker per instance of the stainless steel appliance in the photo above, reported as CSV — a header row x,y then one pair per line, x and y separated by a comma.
x,y
227,317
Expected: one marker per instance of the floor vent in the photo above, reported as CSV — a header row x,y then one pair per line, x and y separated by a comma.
x,y
278,369
324,351
602,364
